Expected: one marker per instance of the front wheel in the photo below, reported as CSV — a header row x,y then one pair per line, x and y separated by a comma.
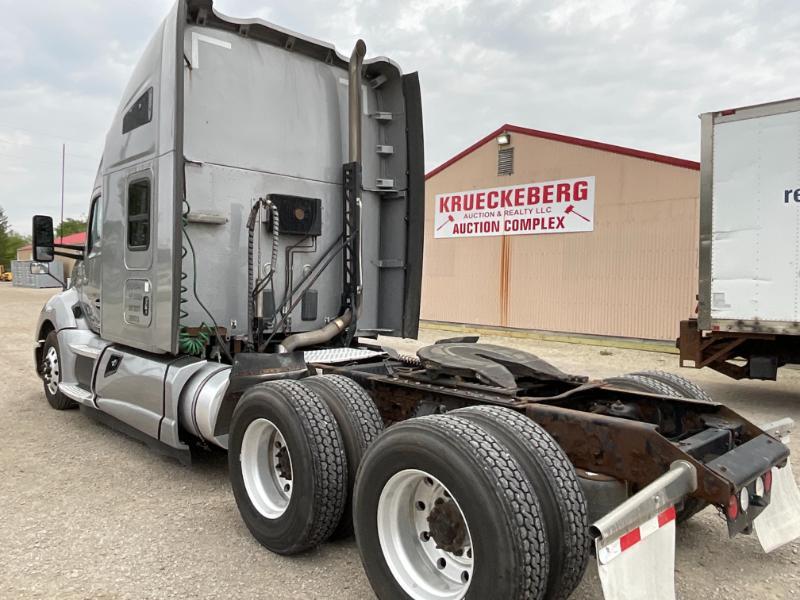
x,y
50,370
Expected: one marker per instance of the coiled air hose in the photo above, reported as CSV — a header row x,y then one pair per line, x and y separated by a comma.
x,y
194,343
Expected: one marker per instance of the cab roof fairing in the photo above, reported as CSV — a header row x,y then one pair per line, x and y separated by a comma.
x,y
203,13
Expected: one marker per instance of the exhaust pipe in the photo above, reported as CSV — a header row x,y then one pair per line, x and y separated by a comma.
x,y
339,324
354,121
354,104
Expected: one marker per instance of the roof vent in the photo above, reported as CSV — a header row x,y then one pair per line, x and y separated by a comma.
x,y
505,161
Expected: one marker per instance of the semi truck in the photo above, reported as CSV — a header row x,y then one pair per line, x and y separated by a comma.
x,y
251,281
748,318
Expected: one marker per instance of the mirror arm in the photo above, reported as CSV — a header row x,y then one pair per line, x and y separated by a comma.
x,y
68,247
63,283
78,256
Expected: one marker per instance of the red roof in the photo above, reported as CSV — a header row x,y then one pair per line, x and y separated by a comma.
x,y
662,158
76,239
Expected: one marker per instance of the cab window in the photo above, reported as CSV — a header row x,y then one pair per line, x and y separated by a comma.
x,y
96,223
139,215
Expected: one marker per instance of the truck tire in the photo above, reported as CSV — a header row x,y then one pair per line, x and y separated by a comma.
x,y
654,382
431,491
686,388
287,466
554,480
642,383
359,422
50,370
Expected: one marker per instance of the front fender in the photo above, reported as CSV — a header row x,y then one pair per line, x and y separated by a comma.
x,y
58,311
57,314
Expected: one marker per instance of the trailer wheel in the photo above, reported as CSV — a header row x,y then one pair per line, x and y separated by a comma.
x,y
50,370
686,388
553,478
359,422
442,511
287,466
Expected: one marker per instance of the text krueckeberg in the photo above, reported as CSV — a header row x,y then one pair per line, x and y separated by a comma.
x,y
561,206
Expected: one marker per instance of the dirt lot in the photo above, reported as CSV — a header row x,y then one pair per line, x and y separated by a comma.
x,y
89,513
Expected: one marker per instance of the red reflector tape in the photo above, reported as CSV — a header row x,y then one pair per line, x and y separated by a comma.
x,y
629,539
634,536
666,516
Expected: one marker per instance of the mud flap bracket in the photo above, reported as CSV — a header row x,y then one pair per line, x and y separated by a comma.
x,y
635,542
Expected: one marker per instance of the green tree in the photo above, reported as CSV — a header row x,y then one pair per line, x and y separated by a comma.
x,y
71,226
10,241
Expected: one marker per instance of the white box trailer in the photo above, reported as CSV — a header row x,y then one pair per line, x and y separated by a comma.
x,y
749,308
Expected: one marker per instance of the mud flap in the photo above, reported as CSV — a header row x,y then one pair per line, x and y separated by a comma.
x,y
635,542
641,563
779,524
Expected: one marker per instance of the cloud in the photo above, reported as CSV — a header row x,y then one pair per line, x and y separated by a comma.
x,y
629,72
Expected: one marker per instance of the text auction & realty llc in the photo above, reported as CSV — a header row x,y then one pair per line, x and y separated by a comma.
x,y
562,206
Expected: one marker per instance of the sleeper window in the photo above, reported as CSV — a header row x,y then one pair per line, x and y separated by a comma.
x,y
139,214
140,113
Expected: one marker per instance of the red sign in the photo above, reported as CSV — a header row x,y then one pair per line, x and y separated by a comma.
x,y
562,206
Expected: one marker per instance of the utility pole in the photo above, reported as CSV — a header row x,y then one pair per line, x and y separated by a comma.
x,y
63,156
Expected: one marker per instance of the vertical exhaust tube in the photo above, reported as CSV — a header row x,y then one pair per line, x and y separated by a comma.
x,y
354,110
354,104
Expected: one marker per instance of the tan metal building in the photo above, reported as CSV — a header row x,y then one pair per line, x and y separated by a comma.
x,y
622,265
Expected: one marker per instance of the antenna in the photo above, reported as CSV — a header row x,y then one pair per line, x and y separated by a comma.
x,y
63,155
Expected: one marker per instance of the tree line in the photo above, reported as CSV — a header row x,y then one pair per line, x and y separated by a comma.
x,y
11,241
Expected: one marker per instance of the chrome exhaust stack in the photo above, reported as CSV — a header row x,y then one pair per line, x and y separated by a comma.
x,y
352,211
354,101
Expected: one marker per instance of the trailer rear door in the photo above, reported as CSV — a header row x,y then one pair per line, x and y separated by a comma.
x,y
754,189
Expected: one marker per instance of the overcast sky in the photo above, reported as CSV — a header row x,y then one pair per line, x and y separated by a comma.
x,y
628,72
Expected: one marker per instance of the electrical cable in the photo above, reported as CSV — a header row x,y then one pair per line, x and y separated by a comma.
x,y
190,343
311,277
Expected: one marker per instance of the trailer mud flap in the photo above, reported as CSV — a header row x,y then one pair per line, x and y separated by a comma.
x,y
779,524
635,542
640,563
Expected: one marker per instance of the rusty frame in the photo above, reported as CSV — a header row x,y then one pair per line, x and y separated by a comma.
x,y
715,349
621,448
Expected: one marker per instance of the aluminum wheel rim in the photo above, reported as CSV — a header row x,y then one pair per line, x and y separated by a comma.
x,y
268,483
424,571
51,370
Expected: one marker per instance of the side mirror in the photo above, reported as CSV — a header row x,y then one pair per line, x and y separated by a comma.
x,y
38,269
43,239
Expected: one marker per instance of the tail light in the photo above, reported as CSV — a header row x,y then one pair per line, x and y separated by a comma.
x,y
767,478
733,508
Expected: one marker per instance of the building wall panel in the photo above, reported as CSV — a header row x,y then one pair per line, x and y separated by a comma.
x,y
634,276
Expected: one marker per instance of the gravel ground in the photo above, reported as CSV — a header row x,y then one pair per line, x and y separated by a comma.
x,y
89,513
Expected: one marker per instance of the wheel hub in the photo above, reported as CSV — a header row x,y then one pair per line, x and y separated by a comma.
x,y
283,465
447,526
50,370
266,468
425,537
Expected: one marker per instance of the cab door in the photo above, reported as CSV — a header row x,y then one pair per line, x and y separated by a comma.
x,y
88,281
